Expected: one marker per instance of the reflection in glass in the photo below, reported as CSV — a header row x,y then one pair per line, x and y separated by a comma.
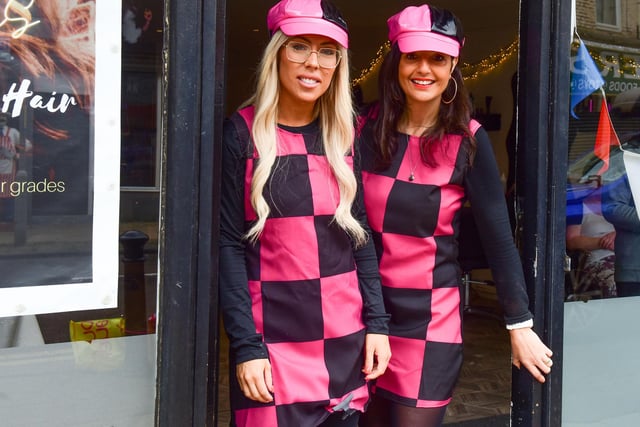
x,y
74,364
600,204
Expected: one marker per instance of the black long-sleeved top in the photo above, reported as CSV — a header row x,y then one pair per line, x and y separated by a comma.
x,y
246,343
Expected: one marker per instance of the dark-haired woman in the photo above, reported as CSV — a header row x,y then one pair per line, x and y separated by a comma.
x,y
423,159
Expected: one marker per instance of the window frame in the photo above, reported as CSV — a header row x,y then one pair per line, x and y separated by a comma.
x,y
605,25
188,330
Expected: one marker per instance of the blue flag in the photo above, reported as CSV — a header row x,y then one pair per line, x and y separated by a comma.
x,y
585,77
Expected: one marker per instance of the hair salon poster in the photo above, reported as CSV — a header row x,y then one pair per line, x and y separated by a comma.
x,y
59,155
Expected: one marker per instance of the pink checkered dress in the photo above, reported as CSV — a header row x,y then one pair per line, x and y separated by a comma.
x,y
306,301
414,215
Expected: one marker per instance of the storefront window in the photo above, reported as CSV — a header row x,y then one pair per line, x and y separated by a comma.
x,y
79,122
603,224
607,12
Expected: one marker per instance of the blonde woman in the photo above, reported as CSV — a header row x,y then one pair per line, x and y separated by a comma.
x,y
300,291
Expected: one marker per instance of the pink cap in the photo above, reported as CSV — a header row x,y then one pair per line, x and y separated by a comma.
x,y
418,28
298,17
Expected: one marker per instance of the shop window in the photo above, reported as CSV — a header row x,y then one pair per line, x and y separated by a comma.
x,y
608,13
79,256
602,287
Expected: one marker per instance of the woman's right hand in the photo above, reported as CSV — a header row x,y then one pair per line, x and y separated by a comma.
x,y
254,377
608,240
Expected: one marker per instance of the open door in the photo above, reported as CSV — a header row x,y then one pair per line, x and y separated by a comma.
x,y
491,61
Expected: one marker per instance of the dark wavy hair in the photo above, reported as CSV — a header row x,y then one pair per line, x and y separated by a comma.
x,y
453,118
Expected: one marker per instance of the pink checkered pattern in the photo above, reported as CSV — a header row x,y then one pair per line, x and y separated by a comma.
x,y
414,223
304,289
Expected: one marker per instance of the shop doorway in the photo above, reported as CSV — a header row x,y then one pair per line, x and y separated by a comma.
x,y
490,62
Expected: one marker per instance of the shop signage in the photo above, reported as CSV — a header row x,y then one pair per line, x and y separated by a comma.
x,y
59,155
619,66
19,23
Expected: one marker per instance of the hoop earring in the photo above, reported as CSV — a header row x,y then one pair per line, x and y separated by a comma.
x,y
454,93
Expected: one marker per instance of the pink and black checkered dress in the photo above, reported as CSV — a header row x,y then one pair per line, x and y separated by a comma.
x,y
294,296
415,225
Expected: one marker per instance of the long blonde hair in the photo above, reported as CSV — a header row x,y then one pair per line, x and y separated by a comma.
x,y
335,111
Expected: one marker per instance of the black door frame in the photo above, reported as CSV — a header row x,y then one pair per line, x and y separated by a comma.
x,y
543,117
194,90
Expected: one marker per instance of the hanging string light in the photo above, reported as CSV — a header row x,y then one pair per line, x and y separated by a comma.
x,y
470,72
625,65
373,65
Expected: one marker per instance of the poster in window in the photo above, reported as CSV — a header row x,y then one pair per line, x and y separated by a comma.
x,y
59,155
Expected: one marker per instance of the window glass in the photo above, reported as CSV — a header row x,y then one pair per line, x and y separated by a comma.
x,y
142,42
81,120
603,136
603,224
607,12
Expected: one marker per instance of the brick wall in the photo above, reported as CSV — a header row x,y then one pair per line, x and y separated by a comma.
x,y
626,35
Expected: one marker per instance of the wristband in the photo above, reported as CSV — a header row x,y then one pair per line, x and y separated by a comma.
x,y
520,325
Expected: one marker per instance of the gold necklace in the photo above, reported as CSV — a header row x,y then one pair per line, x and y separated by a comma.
x,y
411,129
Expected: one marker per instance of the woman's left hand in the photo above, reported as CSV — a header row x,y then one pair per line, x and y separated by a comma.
x,y
529,351
377,354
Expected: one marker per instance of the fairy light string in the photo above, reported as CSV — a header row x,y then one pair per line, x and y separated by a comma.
x,y
366,73
625,65
487,65
470,72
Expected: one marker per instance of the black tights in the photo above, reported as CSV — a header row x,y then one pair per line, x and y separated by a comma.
x,y
384,413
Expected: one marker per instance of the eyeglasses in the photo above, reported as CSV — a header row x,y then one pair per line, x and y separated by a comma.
x,y
299,52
